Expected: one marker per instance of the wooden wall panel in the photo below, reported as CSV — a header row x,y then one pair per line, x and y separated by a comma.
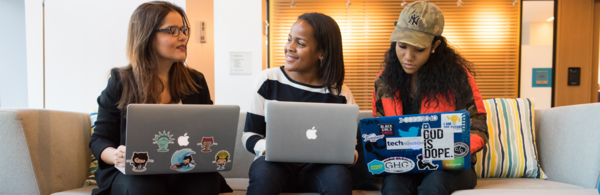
x,y
595,52
574,43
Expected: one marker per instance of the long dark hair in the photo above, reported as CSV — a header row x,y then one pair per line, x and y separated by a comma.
x,y
329,41
140,77
445,73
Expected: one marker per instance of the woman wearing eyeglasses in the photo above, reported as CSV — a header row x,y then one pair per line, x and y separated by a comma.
x,y
156,74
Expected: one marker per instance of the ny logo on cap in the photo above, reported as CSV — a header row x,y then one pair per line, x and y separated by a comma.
x,y
414,19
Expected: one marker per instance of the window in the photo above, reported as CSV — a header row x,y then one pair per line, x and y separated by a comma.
x,y
485,32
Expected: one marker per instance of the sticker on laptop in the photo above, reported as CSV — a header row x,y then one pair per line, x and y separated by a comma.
x,y
439,144
139,161
461,149
372,137
425,164
386,129
376,167
163,139
454,121
221,158
398,164
206,143
182,160
183,140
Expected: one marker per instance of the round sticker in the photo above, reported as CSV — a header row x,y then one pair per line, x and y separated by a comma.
x,y
398,164
461,149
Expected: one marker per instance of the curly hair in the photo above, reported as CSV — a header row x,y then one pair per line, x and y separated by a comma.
x,y
445,73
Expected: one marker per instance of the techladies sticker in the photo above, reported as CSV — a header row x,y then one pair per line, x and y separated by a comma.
x,y
139,161
163,139
182,160
398,164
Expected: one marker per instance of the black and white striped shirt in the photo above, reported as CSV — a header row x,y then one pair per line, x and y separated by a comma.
x,y
275,85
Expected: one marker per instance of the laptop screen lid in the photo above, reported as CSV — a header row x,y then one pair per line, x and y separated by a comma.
x,y
310,132
417,143
170,138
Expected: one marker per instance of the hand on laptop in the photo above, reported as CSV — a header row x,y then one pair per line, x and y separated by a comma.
x,y
120,156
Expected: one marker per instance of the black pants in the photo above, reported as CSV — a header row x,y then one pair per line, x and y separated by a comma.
x,y
437,182
272,178
190,183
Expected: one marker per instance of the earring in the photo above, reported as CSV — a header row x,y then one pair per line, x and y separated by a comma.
x,y
432,51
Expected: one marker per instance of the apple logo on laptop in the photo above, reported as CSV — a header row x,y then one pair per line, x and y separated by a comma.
x,y
311,133
183,140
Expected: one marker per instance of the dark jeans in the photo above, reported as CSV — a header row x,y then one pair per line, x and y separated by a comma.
x,y
437,182
276,177
190,183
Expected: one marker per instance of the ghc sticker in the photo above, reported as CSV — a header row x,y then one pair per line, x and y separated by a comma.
x,y
398,164
376,167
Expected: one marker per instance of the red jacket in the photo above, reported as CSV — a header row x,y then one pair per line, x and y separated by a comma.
x,y
384,104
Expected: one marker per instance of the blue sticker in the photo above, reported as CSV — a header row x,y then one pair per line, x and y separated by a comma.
x,y
182,160
376,167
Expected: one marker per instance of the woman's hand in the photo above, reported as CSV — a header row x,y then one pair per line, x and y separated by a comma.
x,y
119,156
355,155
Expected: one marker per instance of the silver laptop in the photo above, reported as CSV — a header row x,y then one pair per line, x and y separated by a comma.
x,y
310,132
170,138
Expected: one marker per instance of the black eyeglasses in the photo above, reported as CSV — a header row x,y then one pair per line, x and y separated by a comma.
x,y
173,30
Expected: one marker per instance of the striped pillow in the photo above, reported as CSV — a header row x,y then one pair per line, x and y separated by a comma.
x,y
511,151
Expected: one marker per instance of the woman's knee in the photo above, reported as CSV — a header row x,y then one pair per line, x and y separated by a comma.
x,y
269,171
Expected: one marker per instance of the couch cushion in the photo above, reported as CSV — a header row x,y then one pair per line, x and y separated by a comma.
x,y
511,151
242,159
527,192
568,144
522,183
91,180
55,141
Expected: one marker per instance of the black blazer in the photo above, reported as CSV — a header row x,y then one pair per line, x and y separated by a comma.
x,y
110,125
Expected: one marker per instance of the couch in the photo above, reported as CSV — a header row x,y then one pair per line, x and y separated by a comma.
x,y
46,152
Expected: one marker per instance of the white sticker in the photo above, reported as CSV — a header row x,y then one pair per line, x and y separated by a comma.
x,y
400,143
454,122
398,164
372,137
439,144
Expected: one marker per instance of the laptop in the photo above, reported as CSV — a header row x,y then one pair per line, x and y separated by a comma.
x,y
310,132
171,138
417,143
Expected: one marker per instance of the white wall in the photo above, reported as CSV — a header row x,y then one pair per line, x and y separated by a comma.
x,y
535,56
13,57
238,27
536,49
83,41
34,23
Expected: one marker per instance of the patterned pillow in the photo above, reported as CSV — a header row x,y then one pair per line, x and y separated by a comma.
x,y
511,151
91,180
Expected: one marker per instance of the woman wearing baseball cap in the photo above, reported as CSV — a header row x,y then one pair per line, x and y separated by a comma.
x,y
423,74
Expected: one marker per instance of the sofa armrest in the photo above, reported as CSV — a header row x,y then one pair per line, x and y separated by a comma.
x,y
43,151
568,147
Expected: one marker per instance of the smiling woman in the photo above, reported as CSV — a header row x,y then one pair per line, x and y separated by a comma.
x,y
156,74
313,72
